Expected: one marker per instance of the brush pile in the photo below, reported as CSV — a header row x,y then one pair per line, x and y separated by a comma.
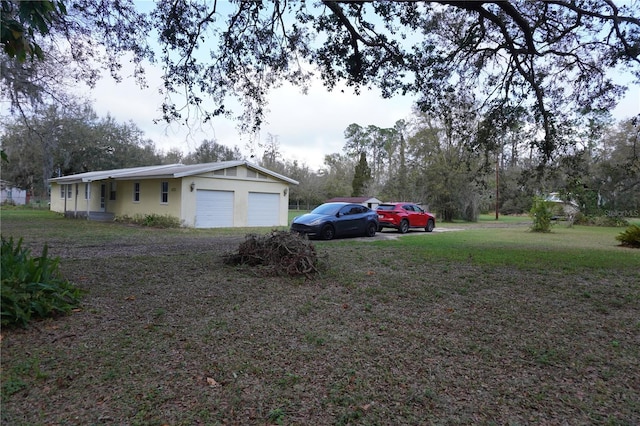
x,y
277,253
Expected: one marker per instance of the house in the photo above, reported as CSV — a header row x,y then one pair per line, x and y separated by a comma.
x,y
211,195
11,194
370,202
564,208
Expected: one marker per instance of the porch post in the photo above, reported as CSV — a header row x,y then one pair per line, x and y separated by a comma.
x,y
75,206
88,193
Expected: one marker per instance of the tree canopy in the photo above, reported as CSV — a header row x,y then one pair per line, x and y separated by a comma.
x,y
432,159
552,58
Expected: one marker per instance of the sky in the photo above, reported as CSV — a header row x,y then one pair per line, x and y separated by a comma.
x,y
307,127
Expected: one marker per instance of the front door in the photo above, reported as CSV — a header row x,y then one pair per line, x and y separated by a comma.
x,y
103,196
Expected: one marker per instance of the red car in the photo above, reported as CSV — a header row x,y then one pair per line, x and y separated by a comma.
x,y
403,216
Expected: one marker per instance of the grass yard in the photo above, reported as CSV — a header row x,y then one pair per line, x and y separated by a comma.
x,y
488,324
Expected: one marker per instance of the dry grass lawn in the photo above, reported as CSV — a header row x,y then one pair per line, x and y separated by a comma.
x,y
169,335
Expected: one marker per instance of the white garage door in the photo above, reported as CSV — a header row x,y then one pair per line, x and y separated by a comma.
x,y
214,209
264,209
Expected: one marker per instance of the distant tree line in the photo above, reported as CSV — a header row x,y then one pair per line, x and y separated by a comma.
x,y
457,162
460,163
61,140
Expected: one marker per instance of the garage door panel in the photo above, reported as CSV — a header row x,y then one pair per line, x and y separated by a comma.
x,y
264,209
214,209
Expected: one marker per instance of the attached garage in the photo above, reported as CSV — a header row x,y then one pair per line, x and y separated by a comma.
x,y
212,195
214,209
264,209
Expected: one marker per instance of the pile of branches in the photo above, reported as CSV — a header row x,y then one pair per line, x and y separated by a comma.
x,y
277,253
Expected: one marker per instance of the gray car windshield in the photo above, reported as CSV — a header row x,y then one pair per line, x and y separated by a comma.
x,y
326,209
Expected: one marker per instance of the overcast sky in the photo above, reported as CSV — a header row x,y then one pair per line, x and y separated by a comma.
x,y
308,127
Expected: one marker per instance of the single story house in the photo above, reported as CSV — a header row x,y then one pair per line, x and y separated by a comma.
x,y
370,202
565,208
211,195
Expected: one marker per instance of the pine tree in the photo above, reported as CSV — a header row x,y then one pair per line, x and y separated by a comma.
x,y
362,176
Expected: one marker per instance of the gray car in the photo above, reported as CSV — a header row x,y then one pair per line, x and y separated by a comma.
x,y
331,220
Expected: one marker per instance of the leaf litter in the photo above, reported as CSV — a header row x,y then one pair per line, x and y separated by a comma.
x,y
365,342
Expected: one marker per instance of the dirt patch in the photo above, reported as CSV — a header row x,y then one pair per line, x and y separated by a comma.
x,y
141,247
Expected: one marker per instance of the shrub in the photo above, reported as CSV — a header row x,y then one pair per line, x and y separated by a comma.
x,y
541,213
630,237
32,287
612,221
152,220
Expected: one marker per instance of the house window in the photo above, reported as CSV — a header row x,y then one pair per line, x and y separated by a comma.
x,y
255,175
65,190
164,192
112,190
87,191
231,171
136,192
69,191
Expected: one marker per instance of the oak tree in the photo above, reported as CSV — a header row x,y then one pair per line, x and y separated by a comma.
x,y
552,57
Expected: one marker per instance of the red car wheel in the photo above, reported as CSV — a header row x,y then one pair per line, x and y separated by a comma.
x,y
430,226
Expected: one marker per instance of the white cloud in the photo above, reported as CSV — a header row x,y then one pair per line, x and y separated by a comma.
x,y
311,126
308,127
630,105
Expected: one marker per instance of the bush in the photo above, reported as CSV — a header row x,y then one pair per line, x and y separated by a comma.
x,y
612,221
151,220
32,287
630,237
542,214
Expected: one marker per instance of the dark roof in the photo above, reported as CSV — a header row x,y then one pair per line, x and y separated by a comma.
x,y
349,199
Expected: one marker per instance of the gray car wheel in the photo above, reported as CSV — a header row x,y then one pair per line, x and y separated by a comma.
x,y
371,230
404,226
327,232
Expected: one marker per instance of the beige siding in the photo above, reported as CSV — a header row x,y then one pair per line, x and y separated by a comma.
x,y
56,203
150,198
77,202
181,200
241,185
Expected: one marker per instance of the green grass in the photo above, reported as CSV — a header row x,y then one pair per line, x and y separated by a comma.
x,y
294,213
47,224
491,218
567,249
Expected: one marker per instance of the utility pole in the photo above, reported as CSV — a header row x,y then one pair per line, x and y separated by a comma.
x,y
497,186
